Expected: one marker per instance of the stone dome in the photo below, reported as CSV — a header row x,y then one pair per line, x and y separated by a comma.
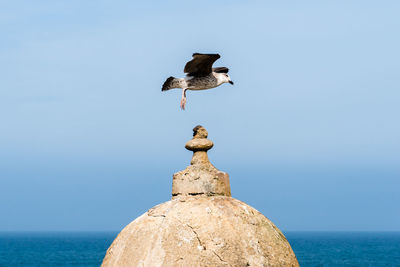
x,y
202,225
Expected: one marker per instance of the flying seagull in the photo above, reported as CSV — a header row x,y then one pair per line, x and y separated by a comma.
x,y
200,75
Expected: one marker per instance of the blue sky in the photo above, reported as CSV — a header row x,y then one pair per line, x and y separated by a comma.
x,y
309,133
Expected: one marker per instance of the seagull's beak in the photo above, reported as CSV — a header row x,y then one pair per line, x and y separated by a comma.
x,y
231,82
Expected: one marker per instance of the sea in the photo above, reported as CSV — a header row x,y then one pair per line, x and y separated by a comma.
x,y
89,248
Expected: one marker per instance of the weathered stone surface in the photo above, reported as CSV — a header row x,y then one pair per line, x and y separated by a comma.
x,y
201,231
201,226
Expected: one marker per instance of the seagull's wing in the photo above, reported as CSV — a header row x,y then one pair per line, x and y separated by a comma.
x,y
201,64
220,70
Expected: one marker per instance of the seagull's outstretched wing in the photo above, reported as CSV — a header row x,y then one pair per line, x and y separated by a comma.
x,y
220,70
201,64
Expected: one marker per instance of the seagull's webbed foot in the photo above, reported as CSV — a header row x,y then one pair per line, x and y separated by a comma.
x,y
183,100
183,103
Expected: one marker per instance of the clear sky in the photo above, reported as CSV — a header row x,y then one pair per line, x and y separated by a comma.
x,y
309,133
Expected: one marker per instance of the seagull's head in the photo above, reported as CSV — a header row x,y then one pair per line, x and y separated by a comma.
x,y
224,78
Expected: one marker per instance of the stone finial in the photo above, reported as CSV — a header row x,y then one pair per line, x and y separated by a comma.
x,y
199,145
201,177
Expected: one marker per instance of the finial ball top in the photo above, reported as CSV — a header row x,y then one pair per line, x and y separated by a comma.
x,y
199,132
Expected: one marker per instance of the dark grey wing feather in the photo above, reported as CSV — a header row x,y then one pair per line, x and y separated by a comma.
x,y
201,64
220,70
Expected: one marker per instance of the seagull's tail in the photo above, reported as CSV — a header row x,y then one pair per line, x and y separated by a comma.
x,y
170,83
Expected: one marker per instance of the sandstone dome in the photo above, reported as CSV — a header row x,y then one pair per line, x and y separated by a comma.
x,y
202,225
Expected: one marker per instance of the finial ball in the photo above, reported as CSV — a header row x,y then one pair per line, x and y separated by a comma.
x,y
199,132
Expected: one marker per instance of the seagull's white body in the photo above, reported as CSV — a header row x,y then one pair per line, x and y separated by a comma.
x,y
204,83
201,76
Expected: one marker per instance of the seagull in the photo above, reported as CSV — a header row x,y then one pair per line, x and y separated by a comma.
x,y
200,75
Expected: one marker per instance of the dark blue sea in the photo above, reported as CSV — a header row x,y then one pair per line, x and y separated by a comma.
x,y
311,248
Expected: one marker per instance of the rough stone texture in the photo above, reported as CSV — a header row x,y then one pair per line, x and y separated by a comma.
x,y
201,179
201,231
201,226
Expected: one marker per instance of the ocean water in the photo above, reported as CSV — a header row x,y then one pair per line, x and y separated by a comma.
x,y
311,248
54,248
346,248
